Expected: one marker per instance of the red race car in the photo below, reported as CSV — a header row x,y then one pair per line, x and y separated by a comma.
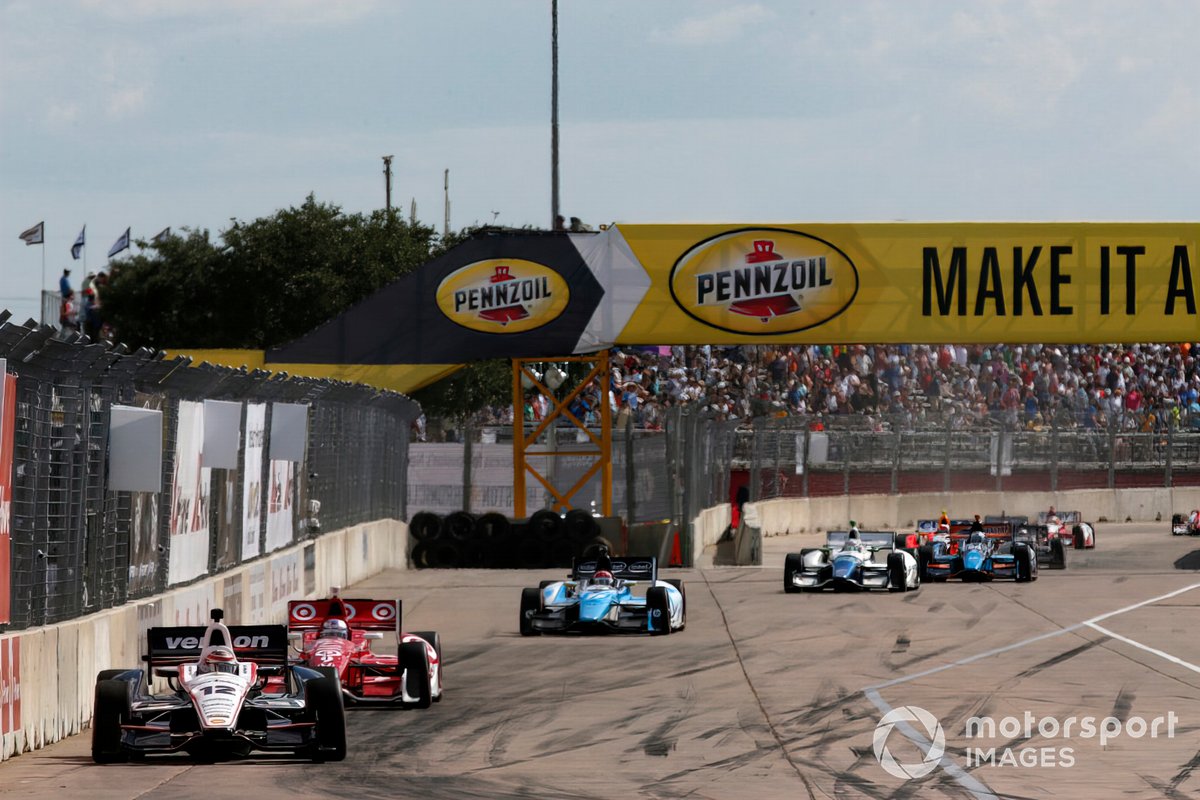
x,y
336,636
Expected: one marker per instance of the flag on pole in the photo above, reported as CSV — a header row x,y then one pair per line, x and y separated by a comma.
x,y
78,246
162,236
35,235
121,244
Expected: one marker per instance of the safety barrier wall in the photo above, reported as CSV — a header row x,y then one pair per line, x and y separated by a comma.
x,y
46,691
804,515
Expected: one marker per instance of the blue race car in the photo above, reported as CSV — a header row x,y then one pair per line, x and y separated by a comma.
x,y
979,556
606,595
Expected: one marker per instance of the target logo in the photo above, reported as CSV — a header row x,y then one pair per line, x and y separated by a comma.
x,y
928,732
384,612
304,612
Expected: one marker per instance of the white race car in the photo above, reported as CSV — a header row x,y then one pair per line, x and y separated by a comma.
x,y
1070,527
848,562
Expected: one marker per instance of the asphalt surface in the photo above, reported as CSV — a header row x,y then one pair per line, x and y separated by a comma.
x,y
764,695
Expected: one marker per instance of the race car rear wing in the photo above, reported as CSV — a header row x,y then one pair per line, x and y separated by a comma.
x,y
882,540
362,615
961,528
626,568
1065,517
262,644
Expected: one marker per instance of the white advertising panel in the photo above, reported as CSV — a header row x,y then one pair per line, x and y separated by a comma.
x,y
252,478
189,539
281,507
135,449
289,431
222,429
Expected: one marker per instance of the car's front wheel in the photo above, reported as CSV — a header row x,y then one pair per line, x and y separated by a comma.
x,y
109,711
659,609
323,696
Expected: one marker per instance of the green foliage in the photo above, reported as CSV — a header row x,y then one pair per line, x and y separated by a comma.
x,y
266,282
480,384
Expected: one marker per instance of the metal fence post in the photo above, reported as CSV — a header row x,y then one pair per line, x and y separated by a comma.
x,y
1054,453
1168,478
468,437
756,459
1112,453
899,437
630,474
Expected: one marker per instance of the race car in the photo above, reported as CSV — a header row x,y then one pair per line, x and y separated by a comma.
x,y
1070,527
606,595
335,637
848,562
978,556
220,702
1185,524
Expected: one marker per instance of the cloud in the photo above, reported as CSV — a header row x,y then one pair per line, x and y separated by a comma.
x,y
727,25
224,12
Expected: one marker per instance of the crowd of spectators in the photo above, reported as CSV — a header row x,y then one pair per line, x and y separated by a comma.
x,y
1136,387
83,312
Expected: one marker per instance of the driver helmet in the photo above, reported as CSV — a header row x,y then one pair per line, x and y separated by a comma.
x,y
335,629
853,529
977,538
218,659
602,578
944,528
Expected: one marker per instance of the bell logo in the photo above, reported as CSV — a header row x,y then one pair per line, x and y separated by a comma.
x,y
503,296
763,282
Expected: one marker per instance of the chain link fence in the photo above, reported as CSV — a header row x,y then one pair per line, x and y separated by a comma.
x,y
78,546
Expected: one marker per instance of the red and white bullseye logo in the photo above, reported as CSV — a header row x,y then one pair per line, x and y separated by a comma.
x,y
384,612
303,612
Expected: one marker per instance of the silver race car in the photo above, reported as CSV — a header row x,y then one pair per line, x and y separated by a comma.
x,y
850,561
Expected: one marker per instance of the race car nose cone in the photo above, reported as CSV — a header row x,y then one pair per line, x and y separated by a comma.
x,y
594,606
844,566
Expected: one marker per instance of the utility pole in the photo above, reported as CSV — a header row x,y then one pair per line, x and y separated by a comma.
x,y
554,214
387,182
446,191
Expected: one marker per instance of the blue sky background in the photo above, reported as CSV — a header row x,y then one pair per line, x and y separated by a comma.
x,y
156,113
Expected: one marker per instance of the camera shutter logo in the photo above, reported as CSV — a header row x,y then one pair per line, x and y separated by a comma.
x,y
923,722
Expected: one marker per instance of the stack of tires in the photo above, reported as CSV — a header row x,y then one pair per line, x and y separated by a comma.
x,y
547,539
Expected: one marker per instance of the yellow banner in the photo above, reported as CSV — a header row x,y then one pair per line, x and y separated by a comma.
x,y
960,282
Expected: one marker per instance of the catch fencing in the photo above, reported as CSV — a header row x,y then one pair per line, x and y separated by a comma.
x,y
78,546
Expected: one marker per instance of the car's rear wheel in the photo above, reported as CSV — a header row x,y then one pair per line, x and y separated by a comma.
x,y
897,573
109,711
323,697
415,661
1025,564
924,556
1058,554
793,563
678,584
658,607
531,603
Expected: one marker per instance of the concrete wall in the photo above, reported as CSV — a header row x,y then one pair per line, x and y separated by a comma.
x,y
708,527
900,512
46,692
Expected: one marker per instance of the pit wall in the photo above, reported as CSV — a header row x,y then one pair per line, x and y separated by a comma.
x,y
48,675
900,512
707,528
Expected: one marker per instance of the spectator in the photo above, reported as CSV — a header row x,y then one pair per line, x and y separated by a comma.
x,y
64,284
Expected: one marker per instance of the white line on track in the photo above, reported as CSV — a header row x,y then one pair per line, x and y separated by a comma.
x,y
970,783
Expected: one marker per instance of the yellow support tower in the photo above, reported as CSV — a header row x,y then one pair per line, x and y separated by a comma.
x,y
561,408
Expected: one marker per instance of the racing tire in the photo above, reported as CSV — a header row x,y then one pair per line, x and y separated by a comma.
x,y
330,673
545,525
323,697
436,642
924,556
658,608
1025,564
580,525
1077,538
110,709
792,563
543,584
417,556
459,526
493,525
678,584
415,661
425,526
897,573
1058,554
531,603
108,674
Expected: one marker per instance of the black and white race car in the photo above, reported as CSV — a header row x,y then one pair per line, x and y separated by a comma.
x,y
231,691
849,561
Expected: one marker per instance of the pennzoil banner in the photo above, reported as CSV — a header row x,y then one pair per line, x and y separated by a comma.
x,y
530,295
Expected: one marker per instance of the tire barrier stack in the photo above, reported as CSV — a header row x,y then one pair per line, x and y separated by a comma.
x,y
493,541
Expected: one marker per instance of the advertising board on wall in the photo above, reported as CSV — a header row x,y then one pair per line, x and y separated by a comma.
x,y
281,505
252,478
8,415
189,530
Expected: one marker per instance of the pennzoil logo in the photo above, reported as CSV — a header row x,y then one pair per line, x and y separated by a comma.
x,y
503,296
764,281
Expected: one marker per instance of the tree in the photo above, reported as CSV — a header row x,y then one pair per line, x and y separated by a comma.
x,y
272,280
266,282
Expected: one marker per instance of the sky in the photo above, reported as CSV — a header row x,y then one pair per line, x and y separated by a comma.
x,y
147,114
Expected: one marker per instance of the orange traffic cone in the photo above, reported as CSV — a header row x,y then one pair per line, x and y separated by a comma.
x,y
676,552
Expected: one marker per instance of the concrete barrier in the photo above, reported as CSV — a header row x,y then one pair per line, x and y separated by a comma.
x,y
900,512
47,687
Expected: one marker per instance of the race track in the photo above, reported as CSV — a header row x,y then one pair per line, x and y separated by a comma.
x,y
764,695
